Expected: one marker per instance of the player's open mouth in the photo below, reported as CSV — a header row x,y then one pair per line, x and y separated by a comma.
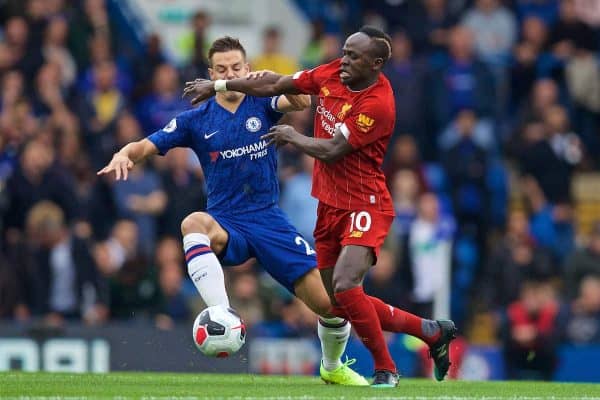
x,y
344,74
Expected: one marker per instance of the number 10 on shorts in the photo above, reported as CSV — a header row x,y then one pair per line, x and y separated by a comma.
x,y
360,221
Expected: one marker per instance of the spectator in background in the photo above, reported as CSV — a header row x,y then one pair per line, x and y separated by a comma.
x,y
583,326
164,102
544,95
49,95
101,52
532,332
244,298
197,66
36,178
463,83
142,199
468,127
430,244
589,12
60,277
583,262
405,190
100,109
551,161
331,47
173,305
91,21
551,224
582,76
466,164
151,58
297,319
17,120
25,59
54,50
312,52
6,58
36,16
407,77
431,27
569,32
132,280
272,58
516,259
528,60
404,154
494,30
185,189
296,201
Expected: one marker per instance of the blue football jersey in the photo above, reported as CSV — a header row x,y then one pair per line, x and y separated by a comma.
x,y
240,169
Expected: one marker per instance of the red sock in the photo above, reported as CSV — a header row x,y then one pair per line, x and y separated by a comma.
x,y
363,317
393,319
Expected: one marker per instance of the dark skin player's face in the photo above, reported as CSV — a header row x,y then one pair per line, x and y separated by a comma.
x,y
359,69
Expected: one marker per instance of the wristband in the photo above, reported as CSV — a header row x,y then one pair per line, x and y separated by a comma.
x,y
220,85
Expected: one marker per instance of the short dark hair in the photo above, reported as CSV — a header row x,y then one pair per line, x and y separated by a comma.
x,y
382,42
224,44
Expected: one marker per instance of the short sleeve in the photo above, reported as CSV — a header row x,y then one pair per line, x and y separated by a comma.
x,y
175,134
367,123
272,111
310,81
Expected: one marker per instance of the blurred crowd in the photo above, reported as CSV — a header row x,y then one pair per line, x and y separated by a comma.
x,y
498,111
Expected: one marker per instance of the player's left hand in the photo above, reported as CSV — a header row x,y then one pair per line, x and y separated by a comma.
x,y
280,135
202,89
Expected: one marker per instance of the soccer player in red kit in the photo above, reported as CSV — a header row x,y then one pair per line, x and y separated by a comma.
x,y
353,124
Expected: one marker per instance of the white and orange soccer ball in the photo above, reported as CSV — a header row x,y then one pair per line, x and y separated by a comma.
x,y
219,331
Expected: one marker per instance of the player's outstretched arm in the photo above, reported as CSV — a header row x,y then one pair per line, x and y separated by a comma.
x,y
327,150
293,102
287,102
127,157
269,84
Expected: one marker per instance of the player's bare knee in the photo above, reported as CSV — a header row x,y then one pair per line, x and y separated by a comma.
x,y
197,222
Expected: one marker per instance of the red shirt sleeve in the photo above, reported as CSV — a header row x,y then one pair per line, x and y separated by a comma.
x,y
368,122
310,81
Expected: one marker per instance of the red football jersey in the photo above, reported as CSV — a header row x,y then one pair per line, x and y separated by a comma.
x,y
366,118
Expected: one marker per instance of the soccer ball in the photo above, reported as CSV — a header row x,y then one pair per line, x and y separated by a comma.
x,y
219,331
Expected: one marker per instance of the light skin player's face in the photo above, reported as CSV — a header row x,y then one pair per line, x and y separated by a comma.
x,y
229,65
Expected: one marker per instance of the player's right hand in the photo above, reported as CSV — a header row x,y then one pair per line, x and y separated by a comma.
x,y
202,89
121,164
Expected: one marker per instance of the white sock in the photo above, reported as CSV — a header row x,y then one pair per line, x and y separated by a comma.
x,y
333,334
205,269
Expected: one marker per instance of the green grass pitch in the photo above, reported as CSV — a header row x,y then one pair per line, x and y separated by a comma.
x,y
166,386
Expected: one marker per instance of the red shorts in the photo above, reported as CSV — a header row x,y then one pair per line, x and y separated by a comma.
x,y
337,228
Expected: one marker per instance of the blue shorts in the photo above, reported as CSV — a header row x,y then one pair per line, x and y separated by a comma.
x,y
269,236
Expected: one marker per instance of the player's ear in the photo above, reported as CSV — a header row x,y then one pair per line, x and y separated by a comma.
x,y
211,73
378,63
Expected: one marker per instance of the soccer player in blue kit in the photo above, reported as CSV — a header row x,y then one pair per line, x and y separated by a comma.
x,y
243,219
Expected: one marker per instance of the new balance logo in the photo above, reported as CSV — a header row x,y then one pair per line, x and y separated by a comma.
x,y
209,135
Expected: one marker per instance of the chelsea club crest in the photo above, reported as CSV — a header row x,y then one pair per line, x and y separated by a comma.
x,y
253,124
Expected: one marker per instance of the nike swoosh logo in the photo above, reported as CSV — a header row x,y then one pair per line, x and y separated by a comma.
x,y
209,135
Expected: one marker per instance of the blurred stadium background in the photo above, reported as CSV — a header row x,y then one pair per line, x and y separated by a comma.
x,y
493,166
